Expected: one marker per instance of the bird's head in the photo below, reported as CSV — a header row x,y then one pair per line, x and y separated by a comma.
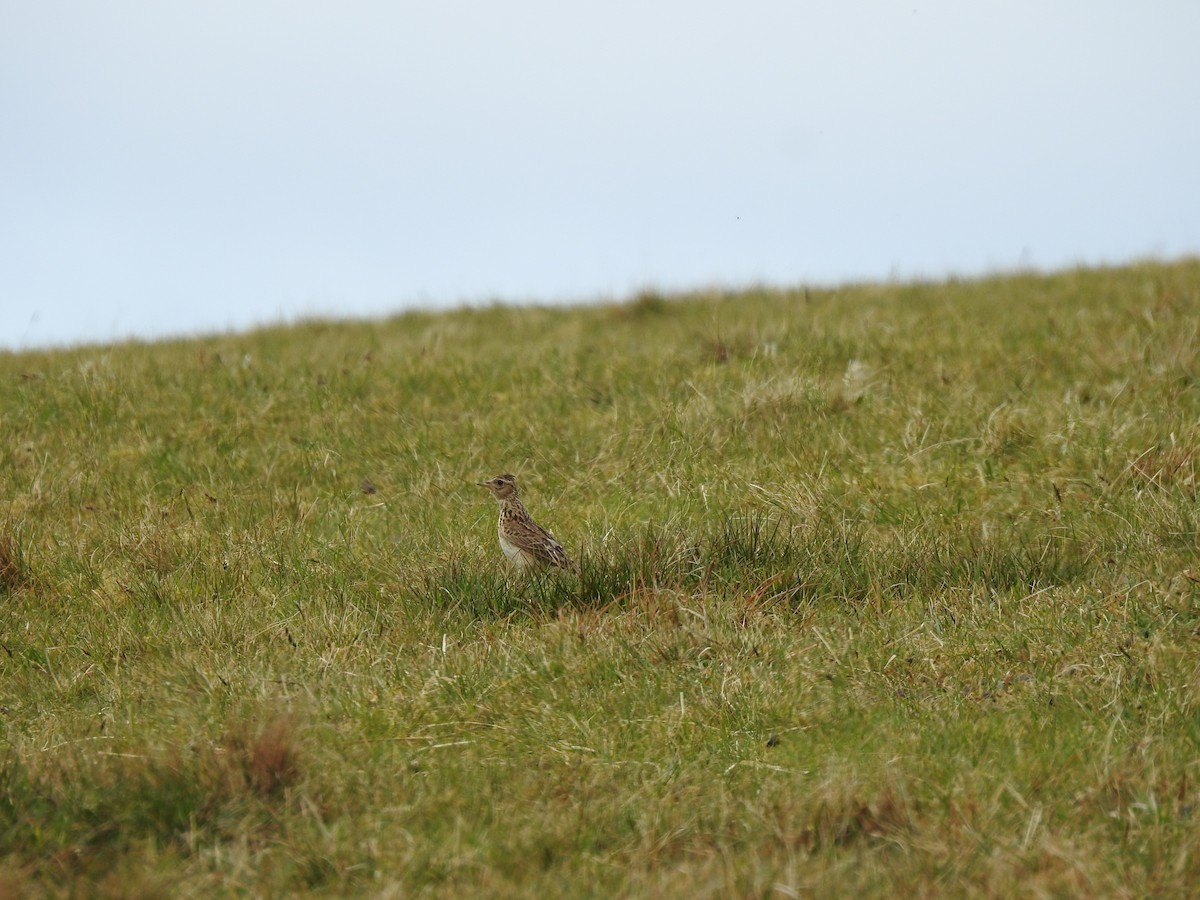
x,y
503,487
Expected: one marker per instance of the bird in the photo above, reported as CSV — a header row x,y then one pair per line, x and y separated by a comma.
x,y
526,543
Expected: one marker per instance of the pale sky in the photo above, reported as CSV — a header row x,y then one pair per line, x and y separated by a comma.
x,y
169,168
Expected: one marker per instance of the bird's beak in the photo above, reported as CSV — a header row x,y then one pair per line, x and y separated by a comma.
x,y
482,483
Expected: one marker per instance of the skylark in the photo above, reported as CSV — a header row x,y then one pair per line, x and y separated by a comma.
x,y
524,541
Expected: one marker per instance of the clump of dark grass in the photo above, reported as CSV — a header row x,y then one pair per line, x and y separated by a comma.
x,y
72,816
265,762
646,303
1009,562
467,587
484,589
602,575
1172,466
15,572
839,815
655,559
767,556
771,555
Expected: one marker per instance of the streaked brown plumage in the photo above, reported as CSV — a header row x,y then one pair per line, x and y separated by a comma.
x,y
524,541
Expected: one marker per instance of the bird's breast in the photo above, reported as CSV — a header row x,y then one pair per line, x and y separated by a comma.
x,y
514,553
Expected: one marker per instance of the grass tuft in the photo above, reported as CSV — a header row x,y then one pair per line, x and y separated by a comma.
x,y
268,762
76,820
767,557
15,571
838,817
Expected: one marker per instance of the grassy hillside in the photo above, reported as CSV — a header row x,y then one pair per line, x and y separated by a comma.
x,y
887,590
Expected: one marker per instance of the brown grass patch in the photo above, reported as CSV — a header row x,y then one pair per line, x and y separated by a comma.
x,y
1166,467
14,568
268,762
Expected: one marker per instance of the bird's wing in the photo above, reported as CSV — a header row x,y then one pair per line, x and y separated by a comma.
x,y
531,538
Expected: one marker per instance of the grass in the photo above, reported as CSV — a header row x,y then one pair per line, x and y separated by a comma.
x,y
889,589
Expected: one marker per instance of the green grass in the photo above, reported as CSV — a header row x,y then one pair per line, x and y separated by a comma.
x,y
890,590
